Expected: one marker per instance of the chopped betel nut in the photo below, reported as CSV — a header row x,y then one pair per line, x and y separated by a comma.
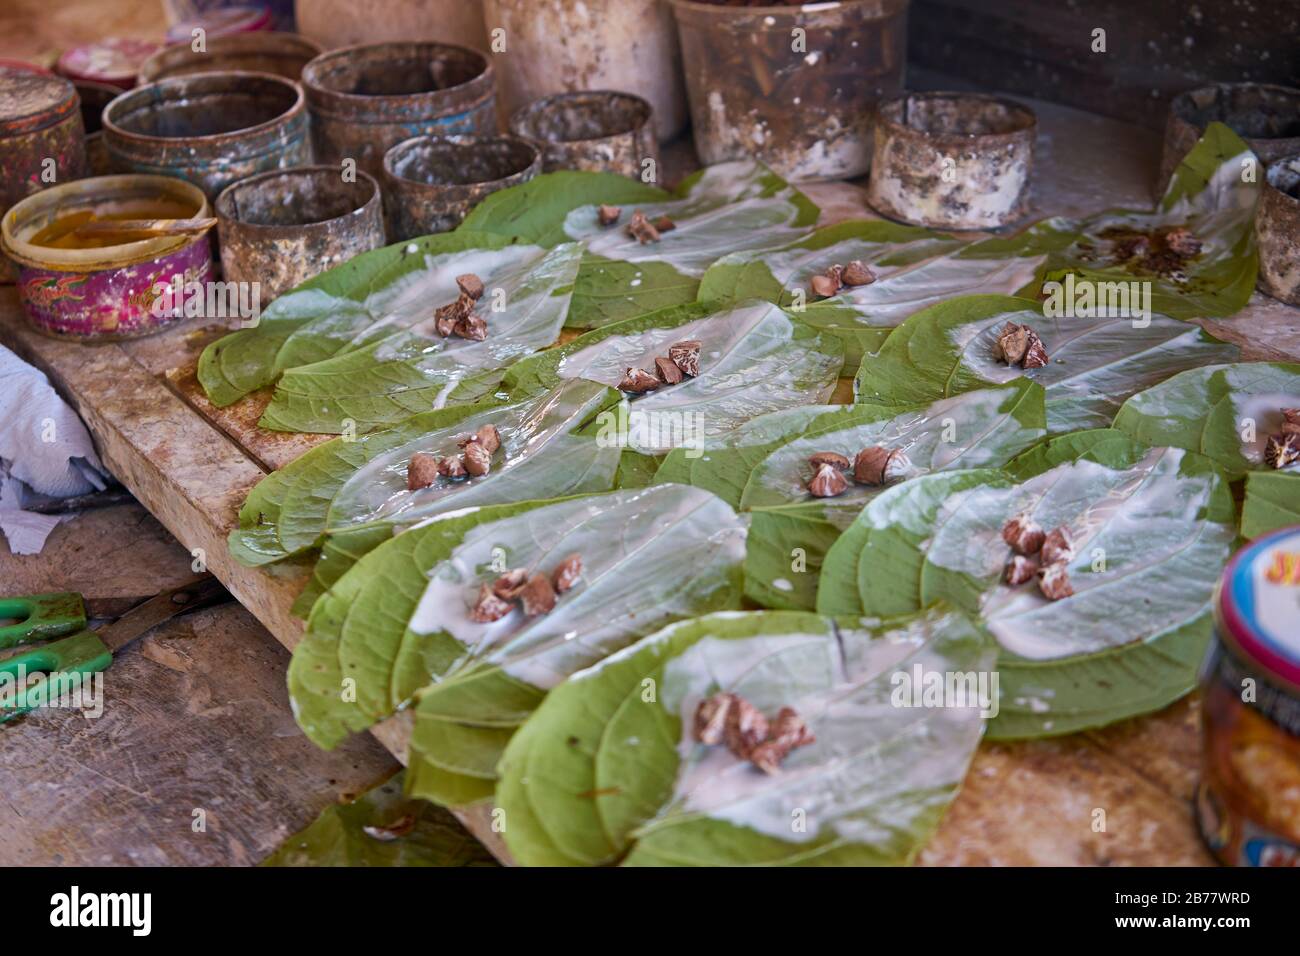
x,y
829,458
827,284
1024,535
422,471
879,465
642,229
508,585
477,459
1057,547
1020,345
711,718
1020,569
489,607
827,482
857,273
472,327
686,356
664,224
537,596
608,215
1054,582
638,381
745,728
668,371
1281,450
1291,421
567,573
1182,242
488,437
787,732
471,285
452,467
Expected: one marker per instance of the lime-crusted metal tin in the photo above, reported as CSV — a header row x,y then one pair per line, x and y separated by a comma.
x,y
1248,804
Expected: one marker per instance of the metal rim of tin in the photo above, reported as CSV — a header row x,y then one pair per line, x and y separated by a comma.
x,y
155,93
1235,630
171,61
60,107
881,8
522,118
226,214
469,143
394,107
126,254
1184,108
1027,120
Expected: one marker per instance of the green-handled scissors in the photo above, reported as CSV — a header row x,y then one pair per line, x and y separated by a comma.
x,y
48,617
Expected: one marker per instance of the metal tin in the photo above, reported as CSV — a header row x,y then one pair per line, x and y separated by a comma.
x,y
952,160
367,99
794,86
209,128
599,131
1248,803
432,182
1266,116
282,228
113,60
284,54
557,46
108,293
94,97
1277,230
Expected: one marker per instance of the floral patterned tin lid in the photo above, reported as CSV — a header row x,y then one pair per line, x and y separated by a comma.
x,y
1259,604
113,60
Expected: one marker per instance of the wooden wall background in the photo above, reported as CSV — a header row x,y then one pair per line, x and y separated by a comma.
x,y
1154,48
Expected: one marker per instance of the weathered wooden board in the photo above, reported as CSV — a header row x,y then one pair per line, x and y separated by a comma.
x,y
192,465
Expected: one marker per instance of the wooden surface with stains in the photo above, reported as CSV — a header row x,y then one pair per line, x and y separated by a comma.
x,y
1024,803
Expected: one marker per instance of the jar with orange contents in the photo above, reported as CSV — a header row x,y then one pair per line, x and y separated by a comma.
x,y
1248,803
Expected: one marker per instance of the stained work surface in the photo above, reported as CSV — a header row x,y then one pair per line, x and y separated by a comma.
x,y
195,718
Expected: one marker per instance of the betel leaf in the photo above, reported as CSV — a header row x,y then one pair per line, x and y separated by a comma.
x,y
323,315
754,358
400,366
343,485
607,770
914,268
397,621
1272,502
649,557
792,530
1152,529
1225,412
382,827
1095,363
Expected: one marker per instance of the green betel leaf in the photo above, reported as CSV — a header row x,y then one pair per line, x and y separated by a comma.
x,y
1272,502
324,315
1095,363
1225,412
397,621
1151,530
382,828
400,366
608,770
754,359
792,530
914,268
343,485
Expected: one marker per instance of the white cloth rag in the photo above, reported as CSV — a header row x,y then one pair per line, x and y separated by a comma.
x,y
45,451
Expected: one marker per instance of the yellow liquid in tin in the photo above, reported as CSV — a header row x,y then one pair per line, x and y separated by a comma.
x,y
59,233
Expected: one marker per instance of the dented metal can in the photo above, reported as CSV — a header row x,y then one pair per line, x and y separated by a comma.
x,y
432,182
1277,230
952,160
366,99
1248,801
210,129
597,131
794,86
284,227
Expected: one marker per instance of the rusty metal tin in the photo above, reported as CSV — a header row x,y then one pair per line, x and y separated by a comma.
x,y
366,99
599,131
283,54
1277,230
94,97
794,86
432,182
209,128
108,293
282,228
1267,117
952,160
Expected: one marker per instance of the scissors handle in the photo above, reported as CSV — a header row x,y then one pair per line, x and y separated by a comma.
x,y
81,654
40,617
